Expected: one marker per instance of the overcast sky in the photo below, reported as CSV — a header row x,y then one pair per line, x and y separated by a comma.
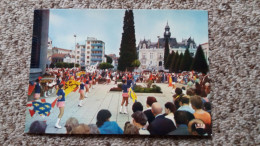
x,y
107,25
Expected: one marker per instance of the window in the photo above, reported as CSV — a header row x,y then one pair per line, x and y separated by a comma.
x,y
87,57
77,57
88,47
88,52
143,55
151,55
88,42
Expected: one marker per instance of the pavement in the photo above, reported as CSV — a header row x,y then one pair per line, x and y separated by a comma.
x,y
99,98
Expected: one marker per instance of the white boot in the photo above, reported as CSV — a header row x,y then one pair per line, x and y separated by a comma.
x,y
125,110
57,124
45,94
80,103
86,95
120,111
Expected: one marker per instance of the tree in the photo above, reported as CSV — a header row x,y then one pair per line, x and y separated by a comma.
x,y
174,62
52,65
166,52
71,65
199,63
136,63
76,65
128,46
109,59
186,61
65,65
169,60
177,65
59,65
105,65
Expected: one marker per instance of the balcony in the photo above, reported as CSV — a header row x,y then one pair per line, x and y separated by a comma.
x,y
96,54
97,45
96,59
97,49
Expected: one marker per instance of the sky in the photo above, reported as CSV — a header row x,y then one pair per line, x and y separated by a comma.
x,y
107,25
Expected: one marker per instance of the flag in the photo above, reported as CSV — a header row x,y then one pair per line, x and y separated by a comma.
x,y
132,95
41,107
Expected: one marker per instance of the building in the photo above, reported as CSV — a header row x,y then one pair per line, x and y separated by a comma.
x,y
49,52
39,43
205,48
151,54
91,53
67,58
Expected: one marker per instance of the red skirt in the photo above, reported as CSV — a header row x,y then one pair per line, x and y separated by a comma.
x,y
125,94
60,103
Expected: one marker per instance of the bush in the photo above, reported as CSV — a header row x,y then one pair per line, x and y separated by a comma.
x,y
116,89
149,83
140,89
101,81
119,85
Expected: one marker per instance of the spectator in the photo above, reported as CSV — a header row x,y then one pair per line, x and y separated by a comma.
x,y
137,106
140,120
182,119
150,100
130,129
105,126
70,124
93,129
38,127
196,127
199,113
207,107
160,125
176,97
184,103
169,110
190,92
81,129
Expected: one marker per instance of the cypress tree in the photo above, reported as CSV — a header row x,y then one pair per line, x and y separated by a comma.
x,y
186,61
177,65
199,63
166,52
174,61
128,43
169,60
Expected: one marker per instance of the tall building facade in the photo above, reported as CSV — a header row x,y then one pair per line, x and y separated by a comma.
x,y
151,54
92,52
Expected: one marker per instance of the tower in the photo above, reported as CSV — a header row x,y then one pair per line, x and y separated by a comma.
x,y
167,33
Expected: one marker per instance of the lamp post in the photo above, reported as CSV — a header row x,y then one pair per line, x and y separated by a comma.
x,y
75,51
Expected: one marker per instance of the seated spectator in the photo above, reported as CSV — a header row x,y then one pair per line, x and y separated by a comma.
x,y
81,129
137,106
199,113
93,129
197,127
184,105
169,110
176,97
182,119
207,107
160,125
70,124
140,120
38,127
130,129
105,126
150,100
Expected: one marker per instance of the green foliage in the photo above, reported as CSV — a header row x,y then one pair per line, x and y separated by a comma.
x,y
128,43
76,65
119,85
166,52
169,59
177,65
199,63
149,83
186,61
174,62
109,59
52,65
59,64
105,65
154,89
71,65
136,63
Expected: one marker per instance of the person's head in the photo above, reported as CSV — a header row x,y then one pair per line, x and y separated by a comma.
x,y
37,80
103,116
169,108
150,100
139,119
130,129
196,127
196,102
38,127
70,124
190,92
178,91
60,86
156,108
124,81
183,117
137,106
184,100
93,129
81,129
207,106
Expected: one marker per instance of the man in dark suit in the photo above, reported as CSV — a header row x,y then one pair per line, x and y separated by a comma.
x,y
160,125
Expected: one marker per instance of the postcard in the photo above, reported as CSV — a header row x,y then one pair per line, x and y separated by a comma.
x,y
140,72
